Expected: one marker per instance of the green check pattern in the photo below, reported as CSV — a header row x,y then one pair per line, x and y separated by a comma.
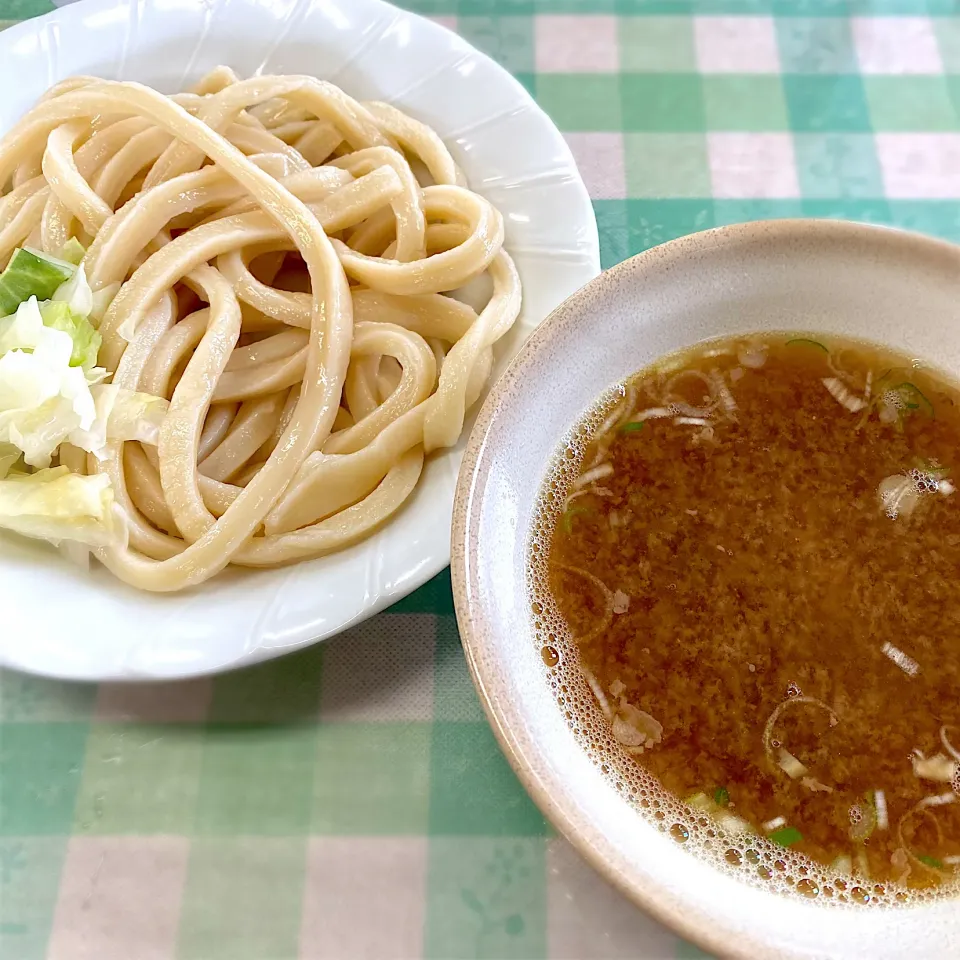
x,y
350,801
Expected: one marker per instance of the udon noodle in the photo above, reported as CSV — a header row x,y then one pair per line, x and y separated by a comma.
x,y
280,255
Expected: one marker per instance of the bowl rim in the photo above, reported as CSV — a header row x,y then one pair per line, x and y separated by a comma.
x,y
500,711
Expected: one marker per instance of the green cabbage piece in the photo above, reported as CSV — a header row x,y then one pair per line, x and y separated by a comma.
x,y
31,274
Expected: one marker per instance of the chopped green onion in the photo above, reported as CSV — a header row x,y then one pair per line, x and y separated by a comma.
x,y
568,516
633,426
806,342
931,862
786,836
721,796
932,469
908,389
31,274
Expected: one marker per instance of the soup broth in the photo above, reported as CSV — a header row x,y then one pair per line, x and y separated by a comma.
x,y
755,549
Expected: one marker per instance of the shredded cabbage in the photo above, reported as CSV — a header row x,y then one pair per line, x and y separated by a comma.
x,y
72,252
122,415
130,415
48,391
76,294
86,341
43,399
76,291
57,505
9,455
102,299
51,393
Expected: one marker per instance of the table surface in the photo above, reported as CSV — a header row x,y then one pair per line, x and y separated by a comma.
x,y
350,801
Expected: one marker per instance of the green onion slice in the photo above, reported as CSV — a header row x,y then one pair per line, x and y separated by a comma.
x,y
914,398
568,516
786,836
806,342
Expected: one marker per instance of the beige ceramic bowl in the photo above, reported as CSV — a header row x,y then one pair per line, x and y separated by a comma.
x,y
895,288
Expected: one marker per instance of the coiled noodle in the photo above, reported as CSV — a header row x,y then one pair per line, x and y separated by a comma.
x,y
281,256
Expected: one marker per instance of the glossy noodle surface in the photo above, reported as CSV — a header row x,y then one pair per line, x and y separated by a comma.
x,y
278,272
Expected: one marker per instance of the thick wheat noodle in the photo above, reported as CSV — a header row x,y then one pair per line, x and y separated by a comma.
x,y
173,348
310,185
143,485
300,409
430,314
219,419
289,407
22,224
227,104
417,380
275,347
250,430
420,140
176,259
218,113
127,162
373,235
389,373
411,226
290,132
360,394
250,140
171,263
158,322
139,222
98,149
222,539
143,218
319,143
66,183
315,489
267,377
14,201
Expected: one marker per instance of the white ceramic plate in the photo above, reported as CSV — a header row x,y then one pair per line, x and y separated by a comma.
x,y
865,282
78,626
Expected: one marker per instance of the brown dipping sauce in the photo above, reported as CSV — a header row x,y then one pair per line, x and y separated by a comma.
x,y
760,564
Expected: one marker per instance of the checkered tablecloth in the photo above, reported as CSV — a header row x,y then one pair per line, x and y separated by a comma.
x,y
350,801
